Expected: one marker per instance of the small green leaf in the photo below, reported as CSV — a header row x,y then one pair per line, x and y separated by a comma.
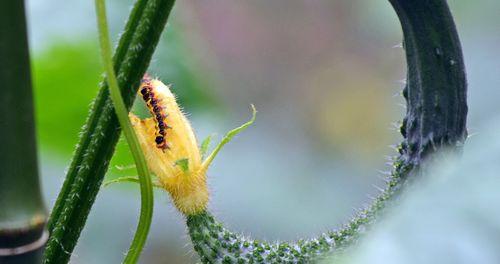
x,y
125,167
228,137
121,179
205,144
133,179
183,163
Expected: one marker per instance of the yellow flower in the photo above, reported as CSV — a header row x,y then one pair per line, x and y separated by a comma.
x,y
179,167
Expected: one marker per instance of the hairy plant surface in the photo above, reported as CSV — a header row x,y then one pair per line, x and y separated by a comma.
x,y
101,132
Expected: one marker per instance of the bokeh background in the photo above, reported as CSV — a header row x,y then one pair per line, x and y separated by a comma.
x,y
324,75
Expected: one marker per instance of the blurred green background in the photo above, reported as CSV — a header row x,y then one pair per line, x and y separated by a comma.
x,y
324,75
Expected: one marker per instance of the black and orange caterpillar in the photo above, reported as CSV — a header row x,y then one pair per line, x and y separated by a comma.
x,y
153,103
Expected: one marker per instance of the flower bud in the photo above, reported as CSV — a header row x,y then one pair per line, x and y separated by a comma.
x,y
171,148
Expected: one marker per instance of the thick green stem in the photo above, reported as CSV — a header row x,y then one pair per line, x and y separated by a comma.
x,y
94,115
435,118
93,118
22,212
101,131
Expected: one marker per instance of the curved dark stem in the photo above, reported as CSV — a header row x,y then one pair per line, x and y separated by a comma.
x,y
436,90
435,119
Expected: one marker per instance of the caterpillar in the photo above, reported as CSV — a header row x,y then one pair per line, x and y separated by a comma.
x,y
148,92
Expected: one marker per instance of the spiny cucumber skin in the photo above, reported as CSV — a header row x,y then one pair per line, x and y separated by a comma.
x,y
435,119
215,244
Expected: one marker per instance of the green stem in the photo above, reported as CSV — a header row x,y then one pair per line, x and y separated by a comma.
x,y
101,131
22,211
435,119
99,103
146,214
